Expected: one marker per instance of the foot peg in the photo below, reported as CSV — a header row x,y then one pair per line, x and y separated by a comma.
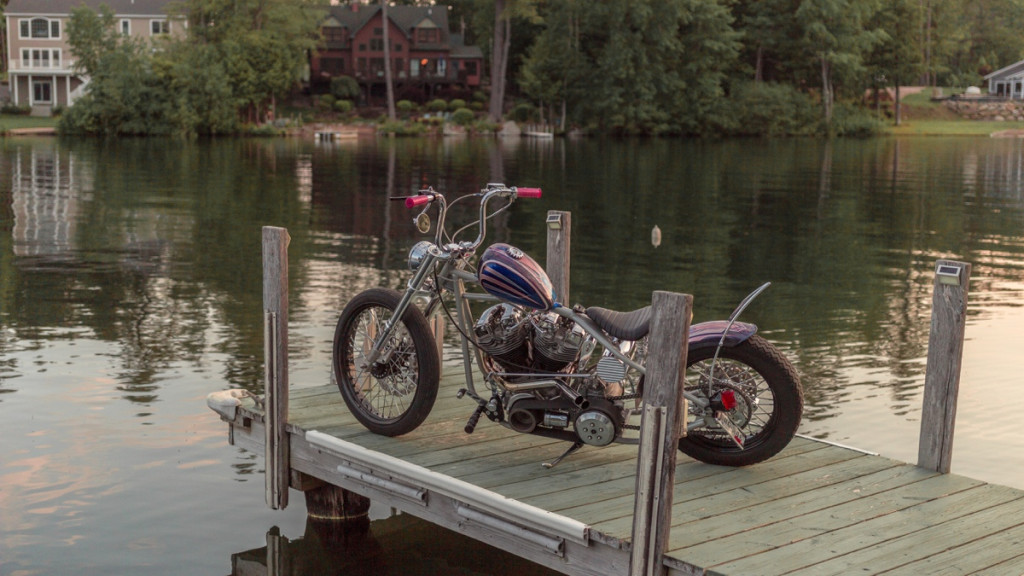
x,y
471,425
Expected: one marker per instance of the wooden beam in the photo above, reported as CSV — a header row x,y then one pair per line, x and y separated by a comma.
x,y
559,231
275,355
662,424
942,374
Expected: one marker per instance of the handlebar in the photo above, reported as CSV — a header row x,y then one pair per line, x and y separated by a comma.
x,y
429,195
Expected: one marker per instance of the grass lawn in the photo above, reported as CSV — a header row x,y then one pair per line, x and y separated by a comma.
x,y
12,122
913,127
924,117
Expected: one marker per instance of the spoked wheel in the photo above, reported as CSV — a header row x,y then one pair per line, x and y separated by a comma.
x,y
394,394
768,403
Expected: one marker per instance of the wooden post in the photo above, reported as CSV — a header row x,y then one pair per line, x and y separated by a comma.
x,y
942,374
559,229
275,355
663,423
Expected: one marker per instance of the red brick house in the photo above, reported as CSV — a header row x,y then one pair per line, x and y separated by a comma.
x,y
426,56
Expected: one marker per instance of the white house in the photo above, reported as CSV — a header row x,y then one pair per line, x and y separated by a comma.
x,y
41,72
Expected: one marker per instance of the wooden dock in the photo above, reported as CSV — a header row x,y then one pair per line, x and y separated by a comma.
x,y
816,508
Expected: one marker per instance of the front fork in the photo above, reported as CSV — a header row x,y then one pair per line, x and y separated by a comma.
x,y
377,353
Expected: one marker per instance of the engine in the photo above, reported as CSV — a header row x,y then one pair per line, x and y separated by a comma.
x,y
530,342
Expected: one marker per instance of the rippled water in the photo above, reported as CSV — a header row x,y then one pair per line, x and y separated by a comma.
x,y
130,288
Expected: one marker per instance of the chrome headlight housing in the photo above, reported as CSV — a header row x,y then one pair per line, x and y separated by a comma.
x,y
418,252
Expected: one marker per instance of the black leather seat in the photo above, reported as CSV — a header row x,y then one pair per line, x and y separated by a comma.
x,y
622,325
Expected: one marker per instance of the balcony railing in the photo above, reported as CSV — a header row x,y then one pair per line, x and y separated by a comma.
x,y
33,65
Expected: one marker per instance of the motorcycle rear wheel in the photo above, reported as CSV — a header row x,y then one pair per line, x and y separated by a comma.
x,y
769,402
394,395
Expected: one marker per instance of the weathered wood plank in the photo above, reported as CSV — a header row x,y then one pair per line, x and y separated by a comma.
x,y
794,544
612,517
860,478
928,535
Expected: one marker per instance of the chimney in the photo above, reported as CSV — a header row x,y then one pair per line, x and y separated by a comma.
x,y
355,6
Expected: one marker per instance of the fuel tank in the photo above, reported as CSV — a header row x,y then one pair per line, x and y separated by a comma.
x,y
508,273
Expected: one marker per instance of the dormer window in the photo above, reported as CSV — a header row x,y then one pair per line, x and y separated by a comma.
x,y
428,36
39,28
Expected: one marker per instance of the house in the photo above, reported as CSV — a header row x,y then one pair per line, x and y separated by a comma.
x,y
425,55
41,71
1007,82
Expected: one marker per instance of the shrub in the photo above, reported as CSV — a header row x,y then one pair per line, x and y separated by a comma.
x,y
456,104
343,106
16,110
478,106
849,120
326,102
438,105
463,116
405,106
769,109
344,88
479,96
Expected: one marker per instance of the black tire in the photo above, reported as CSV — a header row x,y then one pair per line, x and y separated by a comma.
x,y
395,396
770,402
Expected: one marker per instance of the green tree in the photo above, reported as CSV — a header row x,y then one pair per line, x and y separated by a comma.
x,y
836,32
896,59
647,66
262,44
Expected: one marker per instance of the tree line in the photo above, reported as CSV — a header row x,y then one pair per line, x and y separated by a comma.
x,y
693,67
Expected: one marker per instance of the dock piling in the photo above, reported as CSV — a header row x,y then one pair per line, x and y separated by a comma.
x,y
559,234
275,352
663,423
942,374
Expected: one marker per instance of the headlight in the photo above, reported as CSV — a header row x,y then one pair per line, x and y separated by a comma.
x,y
418,252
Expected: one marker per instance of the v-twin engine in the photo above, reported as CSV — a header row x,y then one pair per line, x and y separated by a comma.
x,y
530,342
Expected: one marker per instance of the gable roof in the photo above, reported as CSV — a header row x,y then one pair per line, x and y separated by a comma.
x,y
63,7
1005,73
406,18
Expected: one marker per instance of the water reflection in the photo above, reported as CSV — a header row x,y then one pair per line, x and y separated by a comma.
x,y
399,545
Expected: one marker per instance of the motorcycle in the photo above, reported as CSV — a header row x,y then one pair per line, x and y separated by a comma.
x,y
564,372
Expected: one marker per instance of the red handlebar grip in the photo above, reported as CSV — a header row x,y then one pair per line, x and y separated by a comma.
x,y
528,192
414,201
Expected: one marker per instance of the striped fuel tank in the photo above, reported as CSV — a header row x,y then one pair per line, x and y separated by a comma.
x,y
509,274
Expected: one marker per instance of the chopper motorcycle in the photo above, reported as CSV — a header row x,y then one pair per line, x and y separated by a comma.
x,y
550,369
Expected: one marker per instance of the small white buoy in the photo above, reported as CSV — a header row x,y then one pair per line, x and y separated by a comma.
x,y
656,236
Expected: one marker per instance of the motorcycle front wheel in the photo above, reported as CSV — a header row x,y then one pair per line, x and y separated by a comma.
x,y
769,402
393,395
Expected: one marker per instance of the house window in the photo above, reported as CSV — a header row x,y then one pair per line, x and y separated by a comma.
x,y
376,45
157,27
41,92
398,47
378,31
470,68
428,35
334,35
40,58
126,27
39,28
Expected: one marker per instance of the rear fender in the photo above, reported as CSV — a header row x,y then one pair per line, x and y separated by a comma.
x,y
709,334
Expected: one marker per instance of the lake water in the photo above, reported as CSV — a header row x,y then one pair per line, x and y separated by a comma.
x,y
130,289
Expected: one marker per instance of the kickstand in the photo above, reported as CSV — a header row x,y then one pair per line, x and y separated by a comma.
x,y
575,446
